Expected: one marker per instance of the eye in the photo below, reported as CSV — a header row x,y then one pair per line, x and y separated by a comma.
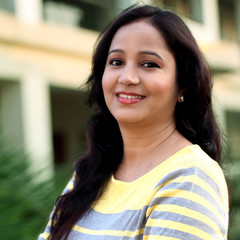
x,y
116,62
150,65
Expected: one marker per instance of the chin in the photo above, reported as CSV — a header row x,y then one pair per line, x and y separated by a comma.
x,y
128,117
128,120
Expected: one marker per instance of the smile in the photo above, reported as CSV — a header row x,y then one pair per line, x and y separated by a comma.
x,y
130,96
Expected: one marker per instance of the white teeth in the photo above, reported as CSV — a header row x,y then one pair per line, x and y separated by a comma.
x,y
129,96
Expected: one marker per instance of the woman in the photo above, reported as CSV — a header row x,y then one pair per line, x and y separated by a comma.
x,y
151,169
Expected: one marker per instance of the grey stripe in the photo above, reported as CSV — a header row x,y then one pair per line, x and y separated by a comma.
x,y
185,220
167,232
74,235
191,171
47,229
190,205
205,177
129,220
191,187
175,174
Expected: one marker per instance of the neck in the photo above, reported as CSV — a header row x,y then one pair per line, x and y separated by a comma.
x,y
146,147
141,143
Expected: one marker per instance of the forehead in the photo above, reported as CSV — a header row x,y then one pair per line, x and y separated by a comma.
x,y
139,33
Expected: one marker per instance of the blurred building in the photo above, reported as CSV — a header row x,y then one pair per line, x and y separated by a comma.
x,y
45,55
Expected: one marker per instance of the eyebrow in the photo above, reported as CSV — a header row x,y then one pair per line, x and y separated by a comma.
x,y
141,53
115,50
151,53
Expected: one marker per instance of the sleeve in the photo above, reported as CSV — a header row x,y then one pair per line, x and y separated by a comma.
x,y
188,204
68,188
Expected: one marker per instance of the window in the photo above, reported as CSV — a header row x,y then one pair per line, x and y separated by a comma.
x,y
187,8
69,123
91,14
7,5
61,13
228,23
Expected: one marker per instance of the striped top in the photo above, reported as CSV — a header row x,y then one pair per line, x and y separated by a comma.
x,y
185,197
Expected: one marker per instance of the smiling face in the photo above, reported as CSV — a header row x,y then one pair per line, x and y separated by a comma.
x,y
139,80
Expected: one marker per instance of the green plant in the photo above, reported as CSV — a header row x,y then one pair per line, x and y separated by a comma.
x,y
25,203
234,189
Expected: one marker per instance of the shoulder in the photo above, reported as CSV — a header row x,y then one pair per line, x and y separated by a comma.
x,y
205,168
193,161
192,193
192,175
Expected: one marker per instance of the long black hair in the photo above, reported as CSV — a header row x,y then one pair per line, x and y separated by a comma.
x,y
194,117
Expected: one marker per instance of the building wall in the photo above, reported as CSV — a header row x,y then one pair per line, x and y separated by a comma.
x,y
43,62
35,58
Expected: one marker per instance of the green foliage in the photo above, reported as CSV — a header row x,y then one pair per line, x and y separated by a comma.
x,y
25,202
234,189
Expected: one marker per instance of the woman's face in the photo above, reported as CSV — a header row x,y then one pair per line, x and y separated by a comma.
x,y
139,80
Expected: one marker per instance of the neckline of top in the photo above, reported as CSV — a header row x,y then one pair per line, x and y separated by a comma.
x,y
155,169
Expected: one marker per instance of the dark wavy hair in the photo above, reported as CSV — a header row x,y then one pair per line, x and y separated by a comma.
x,y
194,117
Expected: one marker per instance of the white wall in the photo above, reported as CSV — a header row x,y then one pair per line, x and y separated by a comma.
x,y
29,11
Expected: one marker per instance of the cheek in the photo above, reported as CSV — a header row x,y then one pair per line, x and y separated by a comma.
x,y
108,82
157,87
108,87
104,82
164,89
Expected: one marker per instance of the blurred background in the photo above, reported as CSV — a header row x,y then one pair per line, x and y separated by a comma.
x,y
45,56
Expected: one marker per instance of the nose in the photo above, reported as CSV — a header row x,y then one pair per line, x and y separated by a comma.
x,y
129,76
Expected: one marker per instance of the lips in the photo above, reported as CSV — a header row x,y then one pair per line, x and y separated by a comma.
x,y
129,98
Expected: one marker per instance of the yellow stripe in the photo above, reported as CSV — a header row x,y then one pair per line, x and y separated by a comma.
x,y
108,232
49,223
190,196
70,186
179,226
44,235
221,183
185,212
201,183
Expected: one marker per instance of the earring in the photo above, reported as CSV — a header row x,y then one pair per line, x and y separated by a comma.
x,y
182,98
